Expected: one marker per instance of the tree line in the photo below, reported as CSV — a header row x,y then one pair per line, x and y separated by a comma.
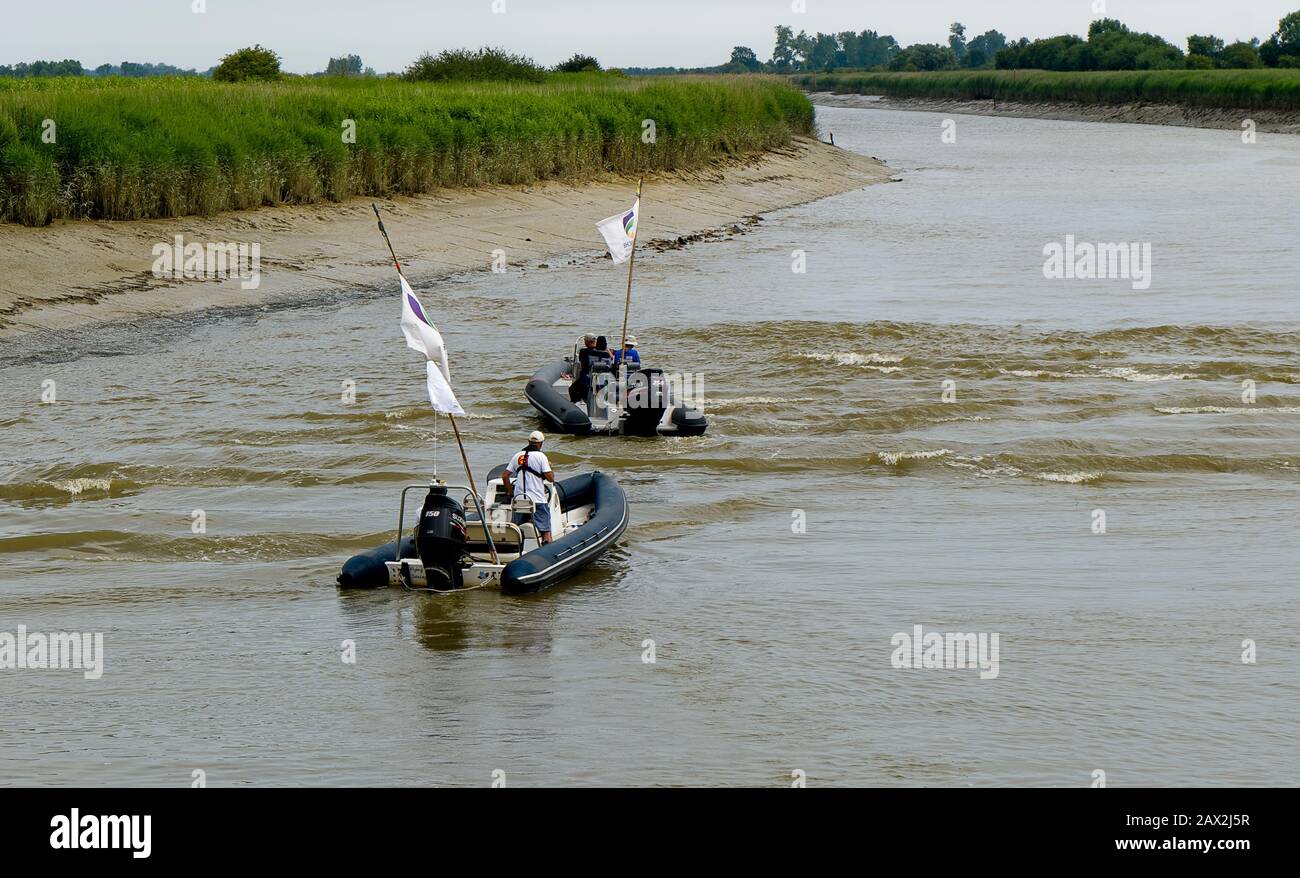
x,y
1110,45
259,63
347,65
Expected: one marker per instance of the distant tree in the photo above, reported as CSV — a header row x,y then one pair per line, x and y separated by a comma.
x,y
1197,61
347,65
1112,46
1288,34
743,58
803,47
1008,57
879,50
1284,44
253,63
1270,52
823,53
865,49
784,57
1104,26
957,39
850,45
1242,56
982,49
1210,47
924,56
578,64
23,70
1054,53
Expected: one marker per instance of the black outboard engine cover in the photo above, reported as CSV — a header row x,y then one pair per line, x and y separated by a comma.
x,y
647,399
440,539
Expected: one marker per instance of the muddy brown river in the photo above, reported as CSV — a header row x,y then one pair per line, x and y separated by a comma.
x,y
918,429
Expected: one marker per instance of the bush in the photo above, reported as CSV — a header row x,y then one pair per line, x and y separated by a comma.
x,y
1053,53
1200,62
1110,46
1240,56
924,56
254,63
487,64
579,64
347,65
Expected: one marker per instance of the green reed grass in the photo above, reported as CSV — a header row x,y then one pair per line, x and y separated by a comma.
x,y
145,148
1224,89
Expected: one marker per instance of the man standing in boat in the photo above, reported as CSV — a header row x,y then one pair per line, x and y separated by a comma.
x,y
582,370
629,353
534,471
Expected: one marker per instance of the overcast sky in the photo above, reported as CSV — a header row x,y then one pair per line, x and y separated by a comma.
x,y
389,34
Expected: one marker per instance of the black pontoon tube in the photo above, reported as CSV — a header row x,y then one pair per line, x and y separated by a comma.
x,y
567,555
561,414
539,568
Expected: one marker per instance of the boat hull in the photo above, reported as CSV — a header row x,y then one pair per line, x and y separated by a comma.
x,y
561,415
369,569
539,569
558,560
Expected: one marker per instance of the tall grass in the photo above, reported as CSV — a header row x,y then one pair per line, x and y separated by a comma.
x,y
134,149
1226,89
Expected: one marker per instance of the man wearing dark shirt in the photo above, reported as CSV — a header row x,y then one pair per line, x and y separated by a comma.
x,y
582,370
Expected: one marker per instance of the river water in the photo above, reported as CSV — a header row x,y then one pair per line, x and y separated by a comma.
x,y
971,511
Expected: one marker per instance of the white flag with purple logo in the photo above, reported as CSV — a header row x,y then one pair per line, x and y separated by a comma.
x,y
619,232
423,336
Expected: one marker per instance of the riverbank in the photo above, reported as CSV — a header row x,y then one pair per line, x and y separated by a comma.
x,y
1268,121
70,274
125,148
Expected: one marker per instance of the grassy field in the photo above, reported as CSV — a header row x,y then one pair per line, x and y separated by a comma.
x,y
141,148
1229,89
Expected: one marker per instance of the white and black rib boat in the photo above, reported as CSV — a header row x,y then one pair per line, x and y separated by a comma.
x,y
451,549
639,402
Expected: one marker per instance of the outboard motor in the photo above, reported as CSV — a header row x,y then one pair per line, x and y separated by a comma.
x,y
440,539
647,399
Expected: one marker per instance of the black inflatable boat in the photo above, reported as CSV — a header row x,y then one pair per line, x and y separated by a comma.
x,y
643,403
452,549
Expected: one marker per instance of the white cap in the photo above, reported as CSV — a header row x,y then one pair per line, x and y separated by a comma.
x,y
630,341
536,436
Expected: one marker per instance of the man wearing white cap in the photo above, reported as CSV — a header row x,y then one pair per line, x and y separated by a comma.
x,y
534,471
629,352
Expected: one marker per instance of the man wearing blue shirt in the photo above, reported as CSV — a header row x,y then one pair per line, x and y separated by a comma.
x,y
629,352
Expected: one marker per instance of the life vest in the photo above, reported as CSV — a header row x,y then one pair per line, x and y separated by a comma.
x,y
523,465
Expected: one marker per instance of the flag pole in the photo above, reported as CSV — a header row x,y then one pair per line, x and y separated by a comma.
x,y
473,486
627,304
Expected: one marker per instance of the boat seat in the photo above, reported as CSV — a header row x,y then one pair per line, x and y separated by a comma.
x,y
522,505
508,538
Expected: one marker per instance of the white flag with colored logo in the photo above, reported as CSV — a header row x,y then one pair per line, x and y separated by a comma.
x,y
423,336
619,232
